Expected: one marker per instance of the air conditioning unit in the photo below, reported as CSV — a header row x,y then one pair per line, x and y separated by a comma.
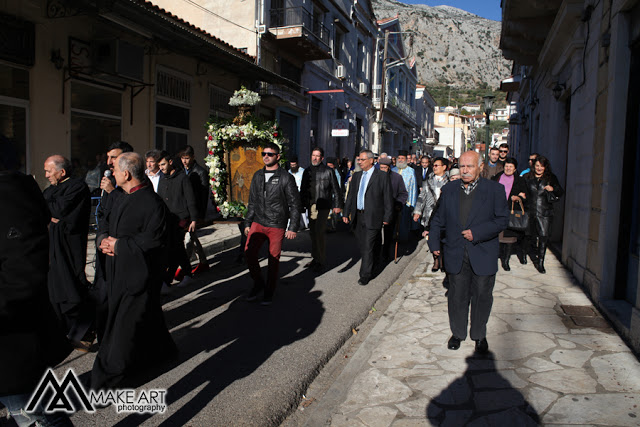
x,y
118,60
363,89
341,72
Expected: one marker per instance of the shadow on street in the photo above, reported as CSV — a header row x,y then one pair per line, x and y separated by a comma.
x,y
245,335
481,393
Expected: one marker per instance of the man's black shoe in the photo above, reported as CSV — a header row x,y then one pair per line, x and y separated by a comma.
x,y
454,343
317,268
253,295
363,282
310,264
482,346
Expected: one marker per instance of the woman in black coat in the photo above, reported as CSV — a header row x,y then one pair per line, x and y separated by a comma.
x,y
543,189
517,194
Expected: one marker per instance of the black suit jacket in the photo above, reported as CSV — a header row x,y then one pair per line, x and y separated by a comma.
x,y
378,200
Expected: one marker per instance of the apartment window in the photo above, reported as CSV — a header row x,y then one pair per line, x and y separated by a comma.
x,y
318,20
290,71
14,112
362,60
96,122
338,41
316,125
173,110
219,102
174,87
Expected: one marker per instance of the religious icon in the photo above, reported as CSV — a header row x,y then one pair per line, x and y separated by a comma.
x,y
244,163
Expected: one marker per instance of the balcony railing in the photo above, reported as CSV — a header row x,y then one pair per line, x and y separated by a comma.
x,y
299,17
392,100
285,94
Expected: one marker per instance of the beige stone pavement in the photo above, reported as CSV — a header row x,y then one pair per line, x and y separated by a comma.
x,y
553,361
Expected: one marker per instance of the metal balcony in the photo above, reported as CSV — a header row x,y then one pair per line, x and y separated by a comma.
x,y
395,104
295,30
284,96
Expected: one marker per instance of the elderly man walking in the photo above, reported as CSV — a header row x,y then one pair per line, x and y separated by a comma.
x,y
408,174
135,245
69,202
473,213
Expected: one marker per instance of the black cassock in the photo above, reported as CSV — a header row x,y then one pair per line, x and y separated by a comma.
x,y
31,337
70,202
136,335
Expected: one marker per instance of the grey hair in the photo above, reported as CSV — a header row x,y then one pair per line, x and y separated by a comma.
x,y
132,163
60,163
383,155
369,153
480,161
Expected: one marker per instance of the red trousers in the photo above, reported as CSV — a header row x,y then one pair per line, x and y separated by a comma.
x,y
257,236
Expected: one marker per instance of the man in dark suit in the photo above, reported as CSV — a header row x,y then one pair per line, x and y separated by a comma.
x,y
423,172
473,212
369,206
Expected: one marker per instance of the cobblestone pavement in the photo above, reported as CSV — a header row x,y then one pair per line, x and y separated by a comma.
x,y
553,360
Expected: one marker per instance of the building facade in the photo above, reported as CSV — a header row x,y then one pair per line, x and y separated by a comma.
x,y
326,47
394,94
577,94
79,75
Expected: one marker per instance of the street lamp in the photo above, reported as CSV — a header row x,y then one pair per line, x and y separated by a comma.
x,y
488,103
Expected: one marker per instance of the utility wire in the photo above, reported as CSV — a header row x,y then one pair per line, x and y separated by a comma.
x,y
218,16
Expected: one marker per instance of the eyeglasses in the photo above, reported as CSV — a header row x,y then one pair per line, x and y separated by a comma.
x,y
504,151
437,166
268,154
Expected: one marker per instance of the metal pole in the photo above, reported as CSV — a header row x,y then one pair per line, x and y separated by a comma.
x,y
382,90
486,145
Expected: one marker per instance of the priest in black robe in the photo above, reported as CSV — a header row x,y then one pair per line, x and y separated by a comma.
x,y
136,335
69,203
110,195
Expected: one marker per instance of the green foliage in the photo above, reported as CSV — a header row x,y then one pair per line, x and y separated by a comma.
x,y
466,95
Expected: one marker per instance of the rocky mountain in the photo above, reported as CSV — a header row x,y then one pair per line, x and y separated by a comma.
x,y
451,46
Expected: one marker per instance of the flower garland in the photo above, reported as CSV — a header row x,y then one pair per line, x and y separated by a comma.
x,y
224,136
244,97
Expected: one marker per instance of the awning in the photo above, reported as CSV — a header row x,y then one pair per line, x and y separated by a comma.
x,y
511,84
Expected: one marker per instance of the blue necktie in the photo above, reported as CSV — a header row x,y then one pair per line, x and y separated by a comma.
x,y
361,192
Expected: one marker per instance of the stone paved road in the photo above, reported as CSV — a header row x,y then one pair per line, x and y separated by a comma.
x,y
553,361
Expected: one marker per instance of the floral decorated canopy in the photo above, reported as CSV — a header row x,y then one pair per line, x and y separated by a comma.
x,y
223,136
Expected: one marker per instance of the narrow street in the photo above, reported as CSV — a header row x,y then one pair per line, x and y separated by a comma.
x,y
242,363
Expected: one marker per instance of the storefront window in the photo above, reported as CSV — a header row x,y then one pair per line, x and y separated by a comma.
x,y
95,124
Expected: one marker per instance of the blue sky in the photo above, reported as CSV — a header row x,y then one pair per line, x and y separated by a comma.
x,y
486,8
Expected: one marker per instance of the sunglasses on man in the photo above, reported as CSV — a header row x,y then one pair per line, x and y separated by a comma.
x,y
504,151
264,153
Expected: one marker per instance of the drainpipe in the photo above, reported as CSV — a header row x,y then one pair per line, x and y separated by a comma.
x,y
258,35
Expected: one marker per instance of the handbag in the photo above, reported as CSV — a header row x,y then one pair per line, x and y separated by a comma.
x,y
518,219
551,197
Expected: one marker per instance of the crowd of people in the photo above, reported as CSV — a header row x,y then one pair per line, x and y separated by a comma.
x,y
151,206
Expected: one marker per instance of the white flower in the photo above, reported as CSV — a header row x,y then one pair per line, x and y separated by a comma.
x,y
217,171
